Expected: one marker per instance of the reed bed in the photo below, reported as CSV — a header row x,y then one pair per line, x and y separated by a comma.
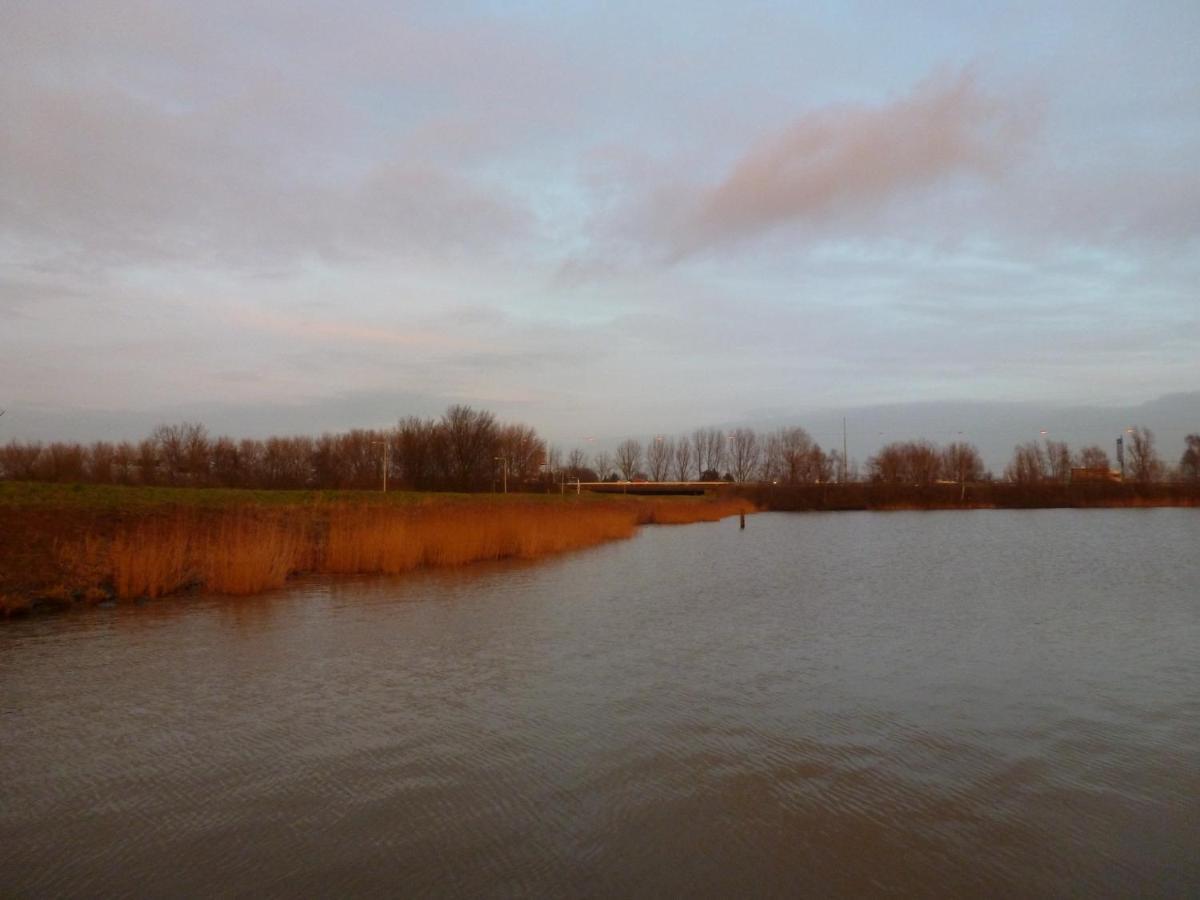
x,y
248,550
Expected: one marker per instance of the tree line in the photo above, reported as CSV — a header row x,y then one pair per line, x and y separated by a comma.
x,y
790,456
467,449
463,450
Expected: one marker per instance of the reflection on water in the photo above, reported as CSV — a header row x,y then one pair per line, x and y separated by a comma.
x,y
934,703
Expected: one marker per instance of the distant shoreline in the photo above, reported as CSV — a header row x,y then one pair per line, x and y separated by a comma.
x,y
873,496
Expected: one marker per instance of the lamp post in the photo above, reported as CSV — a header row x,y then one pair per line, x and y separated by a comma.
x,y
504,460
386,453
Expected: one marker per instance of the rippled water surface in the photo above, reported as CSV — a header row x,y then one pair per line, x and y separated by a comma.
x,y
962,703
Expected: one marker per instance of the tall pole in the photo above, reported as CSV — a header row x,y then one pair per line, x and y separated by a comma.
x,y
845,462
384,462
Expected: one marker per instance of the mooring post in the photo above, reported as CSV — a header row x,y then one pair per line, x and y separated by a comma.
x,y
743,521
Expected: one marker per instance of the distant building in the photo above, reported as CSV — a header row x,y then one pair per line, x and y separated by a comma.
x,y
1099,475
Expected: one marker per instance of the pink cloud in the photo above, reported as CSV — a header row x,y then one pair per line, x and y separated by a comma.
x,y
326,331
847,159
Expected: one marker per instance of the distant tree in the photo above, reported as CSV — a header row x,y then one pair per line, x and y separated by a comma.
x,y
1058,461
629,458
577,463
924,462
1093,457
524,450
604,465
744,454
1189,463
99,463
147,461
62,462
125,463
287,463
328,464
906,462
18,460
699,451
252,456
1028,465
658,457
715,449
182,452
793,458
683,459
471,443
888,465
226,463
962,463
1145,465
419,448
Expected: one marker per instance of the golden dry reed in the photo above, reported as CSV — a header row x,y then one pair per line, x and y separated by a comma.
x,y
248,551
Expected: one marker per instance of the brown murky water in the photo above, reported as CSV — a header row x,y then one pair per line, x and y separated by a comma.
x,y
965,703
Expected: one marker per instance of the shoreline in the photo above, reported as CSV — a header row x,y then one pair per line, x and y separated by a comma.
x,y
63,547
880,497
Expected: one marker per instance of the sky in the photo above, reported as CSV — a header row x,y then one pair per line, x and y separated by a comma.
x,y
597,219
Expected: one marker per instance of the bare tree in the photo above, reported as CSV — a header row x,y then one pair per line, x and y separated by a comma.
x,y
744,454
524,450
1058,461
226,463
576,462
907,462
961,462
658,458
1145,465
471,442
793,458
1094,457
125,463
18,460
714,451
1028,465
683,459
629,458
604,465
99,463
148,461
182,452
699,451
419,446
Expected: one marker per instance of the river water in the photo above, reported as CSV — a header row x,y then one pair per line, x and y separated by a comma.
x,y
942,703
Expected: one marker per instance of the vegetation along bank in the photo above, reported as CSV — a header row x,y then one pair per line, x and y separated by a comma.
x,y
62,545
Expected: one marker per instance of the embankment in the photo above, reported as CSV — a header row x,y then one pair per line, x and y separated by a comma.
x,y
62,546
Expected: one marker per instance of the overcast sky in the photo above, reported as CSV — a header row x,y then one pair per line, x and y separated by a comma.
x,y
599,219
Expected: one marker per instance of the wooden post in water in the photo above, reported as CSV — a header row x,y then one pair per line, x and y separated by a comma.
x,y
743,521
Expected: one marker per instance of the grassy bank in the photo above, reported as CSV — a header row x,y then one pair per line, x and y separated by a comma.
x,y
64,544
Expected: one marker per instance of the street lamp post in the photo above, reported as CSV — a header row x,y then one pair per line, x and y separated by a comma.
x,y
386,454
504,461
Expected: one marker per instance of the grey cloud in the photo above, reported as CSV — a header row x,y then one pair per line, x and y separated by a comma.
x,y
121,181
163,139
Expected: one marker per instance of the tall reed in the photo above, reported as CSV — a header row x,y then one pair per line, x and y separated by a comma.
x,y
247,550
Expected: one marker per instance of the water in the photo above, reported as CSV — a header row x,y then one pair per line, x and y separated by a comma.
x,y
960,703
